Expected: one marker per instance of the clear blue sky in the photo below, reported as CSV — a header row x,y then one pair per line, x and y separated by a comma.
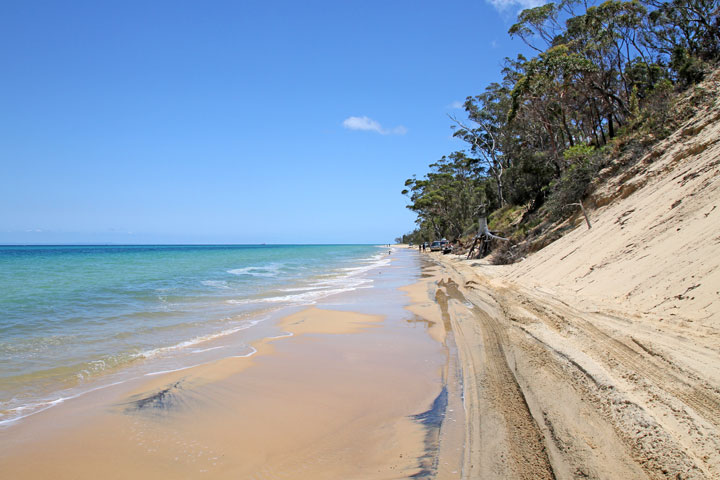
x,y
231,122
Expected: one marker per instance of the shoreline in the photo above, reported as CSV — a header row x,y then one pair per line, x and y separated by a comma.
x,y
337,382
445,368
156,326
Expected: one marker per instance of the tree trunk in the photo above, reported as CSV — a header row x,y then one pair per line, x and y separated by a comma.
x,y
484,237
498,179
587,219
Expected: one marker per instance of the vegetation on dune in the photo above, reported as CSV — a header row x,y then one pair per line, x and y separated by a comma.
x,y
602,85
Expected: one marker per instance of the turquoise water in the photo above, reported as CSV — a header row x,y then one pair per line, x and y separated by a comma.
x,y
71,314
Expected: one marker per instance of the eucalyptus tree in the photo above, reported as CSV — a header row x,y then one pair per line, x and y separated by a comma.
x,y
685,34
486,132
538,27
550,96
448,197
598,66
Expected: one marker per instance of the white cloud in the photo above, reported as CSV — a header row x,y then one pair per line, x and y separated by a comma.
x,y
457,105
505,5
362,123
370,125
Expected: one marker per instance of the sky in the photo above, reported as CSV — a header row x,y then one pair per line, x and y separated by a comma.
x,y
232,122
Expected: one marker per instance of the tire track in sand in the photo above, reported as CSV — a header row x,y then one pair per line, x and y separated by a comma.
x,y
655,448
660,371
527,450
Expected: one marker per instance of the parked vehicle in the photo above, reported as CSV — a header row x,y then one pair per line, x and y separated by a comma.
x,y
436,246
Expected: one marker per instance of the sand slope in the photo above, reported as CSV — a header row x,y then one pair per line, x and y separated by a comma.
x,y
656,247
599,356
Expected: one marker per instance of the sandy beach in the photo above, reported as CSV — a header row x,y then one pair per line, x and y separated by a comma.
x,y
344,389
596,357
209,225
446,368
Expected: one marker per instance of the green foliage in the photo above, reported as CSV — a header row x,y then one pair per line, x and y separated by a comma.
x,y
657,112
503,218
605,74
578,153
527,177
690,69
686,36
537,23
585,161
448,198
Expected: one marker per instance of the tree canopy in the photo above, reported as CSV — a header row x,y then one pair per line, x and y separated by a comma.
x,y
539,136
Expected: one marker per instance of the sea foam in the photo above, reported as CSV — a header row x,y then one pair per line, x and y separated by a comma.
x,y
83,316
270,270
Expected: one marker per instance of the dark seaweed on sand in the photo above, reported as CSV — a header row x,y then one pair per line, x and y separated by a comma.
x,y
160,401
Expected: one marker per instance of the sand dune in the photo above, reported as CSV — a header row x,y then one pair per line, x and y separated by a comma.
x,y
599,356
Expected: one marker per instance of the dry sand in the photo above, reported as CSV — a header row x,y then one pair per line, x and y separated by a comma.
x,y
599,356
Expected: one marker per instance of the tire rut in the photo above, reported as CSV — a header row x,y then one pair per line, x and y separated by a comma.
x,y
661,450
526,441
691,392
645,372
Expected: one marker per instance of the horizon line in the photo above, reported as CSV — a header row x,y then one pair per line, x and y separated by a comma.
x,y
178,244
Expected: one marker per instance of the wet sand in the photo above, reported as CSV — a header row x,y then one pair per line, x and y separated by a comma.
x,y
354,387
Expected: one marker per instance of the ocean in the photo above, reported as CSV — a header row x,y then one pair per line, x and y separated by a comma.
x,y
77,318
